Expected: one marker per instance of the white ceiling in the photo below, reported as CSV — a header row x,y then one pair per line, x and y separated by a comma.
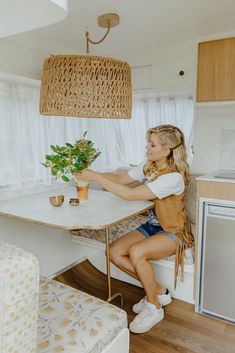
x,y
24,15
145,25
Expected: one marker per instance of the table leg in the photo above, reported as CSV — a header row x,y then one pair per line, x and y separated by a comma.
x,y
110,295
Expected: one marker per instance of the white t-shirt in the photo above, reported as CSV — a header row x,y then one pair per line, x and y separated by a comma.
x,y
165,185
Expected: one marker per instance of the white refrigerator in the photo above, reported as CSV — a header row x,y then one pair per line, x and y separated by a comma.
x,y
215,290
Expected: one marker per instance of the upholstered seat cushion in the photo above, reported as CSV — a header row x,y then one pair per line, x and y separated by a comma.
x,y
115,232
72,321
191,198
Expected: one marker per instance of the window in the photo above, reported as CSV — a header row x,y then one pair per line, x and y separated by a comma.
x,y
25,136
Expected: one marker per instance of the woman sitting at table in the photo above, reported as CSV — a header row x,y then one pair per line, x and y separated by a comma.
x,y
167,230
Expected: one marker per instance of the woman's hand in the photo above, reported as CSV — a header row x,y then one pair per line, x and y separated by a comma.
x,y
87,175
141,192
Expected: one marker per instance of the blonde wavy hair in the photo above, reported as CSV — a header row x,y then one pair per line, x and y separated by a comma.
x,y
173,138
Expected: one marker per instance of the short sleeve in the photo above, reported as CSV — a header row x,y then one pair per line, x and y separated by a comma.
x,y
137,173
167,184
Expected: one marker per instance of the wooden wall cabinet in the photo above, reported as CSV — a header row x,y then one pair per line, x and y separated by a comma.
x,y
216,70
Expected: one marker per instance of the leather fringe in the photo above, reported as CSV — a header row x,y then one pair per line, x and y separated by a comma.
x,y
182,243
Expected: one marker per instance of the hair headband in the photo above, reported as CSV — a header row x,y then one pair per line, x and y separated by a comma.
x,y
173,148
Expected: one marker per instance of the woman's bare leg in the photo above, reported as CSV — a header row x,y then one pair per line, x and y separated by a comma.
x,y
119,255
153,248
119,251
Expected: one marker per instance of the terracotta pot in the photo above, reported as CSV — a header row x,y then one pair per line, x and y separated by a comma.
x,y
82,193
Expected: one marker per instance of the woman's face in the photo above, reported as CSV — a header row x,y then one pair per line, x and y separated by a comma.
x,y
155,150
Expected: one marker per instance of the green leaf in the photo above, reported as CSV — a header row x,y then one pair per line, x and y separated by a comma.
x,y
54,170
69,145
82,157
78,166
49,157
64,163
54,148
65,178
55,159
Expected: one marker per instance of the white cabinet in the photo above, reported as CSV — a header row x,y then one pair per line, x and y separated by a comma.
x,y
215,290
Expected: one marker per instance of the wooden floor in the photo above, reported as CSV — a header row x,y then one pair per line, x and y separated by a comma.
x,y
181,331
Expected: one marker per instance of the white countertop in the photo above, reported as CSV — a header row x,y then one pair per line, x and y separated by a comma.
x,y
101,210
211,177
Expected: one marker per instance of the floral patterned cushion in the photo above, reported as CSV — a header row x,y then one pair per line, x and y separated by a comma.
x,y
72,321
115,232
19,287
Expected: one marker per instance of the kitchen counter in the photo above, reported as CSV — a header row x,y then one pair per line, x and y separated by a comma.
x,y
212,176
210,186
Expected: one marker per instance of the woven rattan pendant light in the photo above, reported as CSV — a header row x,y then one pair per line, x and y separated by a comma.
x,y
87,86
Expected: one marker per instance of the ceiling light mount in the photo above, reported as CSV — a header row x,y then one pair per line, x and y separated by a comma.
x,y
108,20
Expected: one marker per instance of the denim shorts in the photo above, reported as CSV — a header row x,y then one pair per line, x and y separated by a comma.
x,y
148,229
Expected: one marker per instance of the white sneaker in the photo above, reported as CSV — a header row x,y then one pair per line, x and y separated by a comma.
x,y
147,318
164,299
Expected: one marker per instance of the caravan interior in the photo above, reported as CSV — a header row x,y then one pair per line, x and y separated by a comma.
x,y
60,290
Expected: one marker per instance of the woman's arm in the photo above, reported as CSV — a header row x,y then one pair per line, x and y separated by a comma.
x,y
122,178
141,192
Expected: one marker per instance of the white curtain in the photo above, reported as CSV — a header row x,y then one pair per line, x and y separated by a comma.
x,y
25,136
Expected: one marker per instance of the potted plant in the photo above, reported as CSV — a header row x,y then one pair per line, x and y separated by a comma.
x,y
71,158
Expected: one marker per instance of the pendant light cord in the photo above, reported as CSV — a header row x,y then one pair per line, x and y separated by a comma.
x,y
97,42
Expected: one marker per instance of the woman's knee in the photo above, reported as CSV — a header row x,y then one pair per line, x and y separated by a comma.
x,y
114,253
136,254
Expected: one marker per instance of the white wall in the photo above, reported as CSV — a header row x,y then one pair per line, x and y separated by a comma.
x,y
210,121
158,71
52,247
20,60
